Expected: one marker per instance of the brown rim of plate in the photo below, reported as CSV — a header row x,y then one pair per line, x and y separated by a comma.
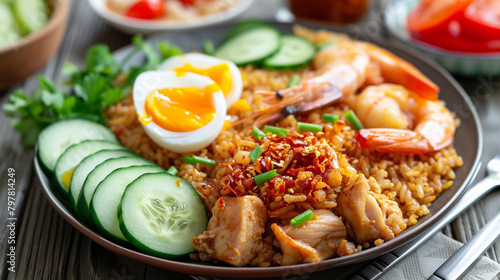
x,y
59,10
468,141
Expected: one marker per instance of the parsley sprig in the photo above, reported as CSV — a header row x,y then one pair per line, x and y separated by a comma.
x,y
87,92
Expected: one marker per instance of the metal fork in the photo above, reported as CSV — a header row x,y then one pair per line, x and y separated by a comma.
x,y
458,263
382,264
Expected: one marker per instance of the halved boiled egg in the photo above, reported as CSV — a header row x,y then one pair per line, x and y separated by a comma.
x,y
224,72
182,112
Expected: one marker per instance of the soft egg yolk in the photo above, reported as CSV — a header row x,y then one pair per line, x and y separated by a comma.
x,y
220,74
180,109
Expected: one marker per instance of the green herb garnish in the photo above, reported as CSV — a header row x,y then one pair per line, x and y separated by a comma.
x,y
330,118
353,119
172,170
293,81
276,130
257,133
309,127
261,178
301,218
255,153
208,47
196,159
88,91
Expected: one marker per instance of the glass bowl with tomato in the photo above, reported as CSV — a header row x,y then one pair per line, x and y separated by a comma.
x,y
461,35
155,16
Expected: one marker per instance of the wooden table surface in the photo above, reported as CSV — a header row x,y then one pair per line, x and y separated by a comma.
x,y
47,247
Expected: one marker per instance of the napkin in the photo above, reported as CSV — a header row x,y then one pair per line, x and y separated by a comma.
x,y
421,264
429,257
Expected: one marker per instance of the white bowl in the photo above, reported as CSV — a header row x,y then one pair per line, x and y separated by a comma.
x,y
461,63
135,26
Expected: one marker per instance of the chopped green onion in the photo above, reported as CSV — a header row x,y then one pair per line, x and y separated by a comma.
x,y
189,160
208,47
258,134
302,126
206,161
255,153
353,119
196,159
325,45
330,118
293,81
301,218
172,170
276,130
261,178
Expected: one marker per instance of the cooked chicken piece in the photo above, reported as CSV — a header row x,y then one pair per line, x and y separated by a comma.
x,y
313,241
234,233
293,251
368,214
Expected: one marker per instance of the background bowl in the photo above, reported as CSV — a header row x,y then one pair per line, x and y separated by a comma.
x,y
134,26
32,52
459,63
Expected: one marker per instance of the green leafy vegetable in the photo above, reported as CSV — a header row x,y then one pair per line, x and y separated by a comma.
x,y
208,47
90,90
293,81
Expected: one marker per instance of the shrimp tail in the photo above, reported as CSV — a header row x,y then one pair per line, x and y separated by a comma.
x,y
387,140
397,70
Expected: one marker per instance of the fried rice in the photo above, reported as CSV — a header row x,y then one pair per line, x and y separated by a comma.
x,y
411,181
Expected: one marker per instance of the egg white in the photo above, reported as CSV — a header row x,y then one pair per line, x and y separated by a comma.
x,y
181,142
199,60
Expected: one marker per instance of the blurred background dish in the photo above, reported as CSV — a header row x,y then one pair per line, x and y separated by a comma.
x,y
134,16
42,24
329,11
469,63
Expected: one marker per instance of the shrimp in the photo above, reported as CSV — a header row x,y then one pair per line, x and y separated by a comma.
x,y
344,73
399,120
340,71
398,71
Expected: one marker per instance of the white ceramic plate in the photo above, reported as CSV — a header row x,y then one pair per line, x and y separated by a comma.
x,y
136,26
466,64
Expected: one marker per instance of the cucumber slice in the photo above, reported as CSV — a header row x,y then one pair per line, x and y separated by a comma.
x,y
107,197
57,137
252,46
9,29
160,213
32,15
294,52
96,176
86,166
68,161
243,27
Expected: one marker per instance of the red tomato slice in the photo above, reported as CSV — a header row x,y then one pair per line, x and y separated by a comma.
x,y
482,19
147,9
460,44
433,14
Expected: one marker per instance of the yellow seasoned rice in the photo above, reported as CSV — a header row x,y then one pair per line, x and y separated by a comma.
x,y
413,181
